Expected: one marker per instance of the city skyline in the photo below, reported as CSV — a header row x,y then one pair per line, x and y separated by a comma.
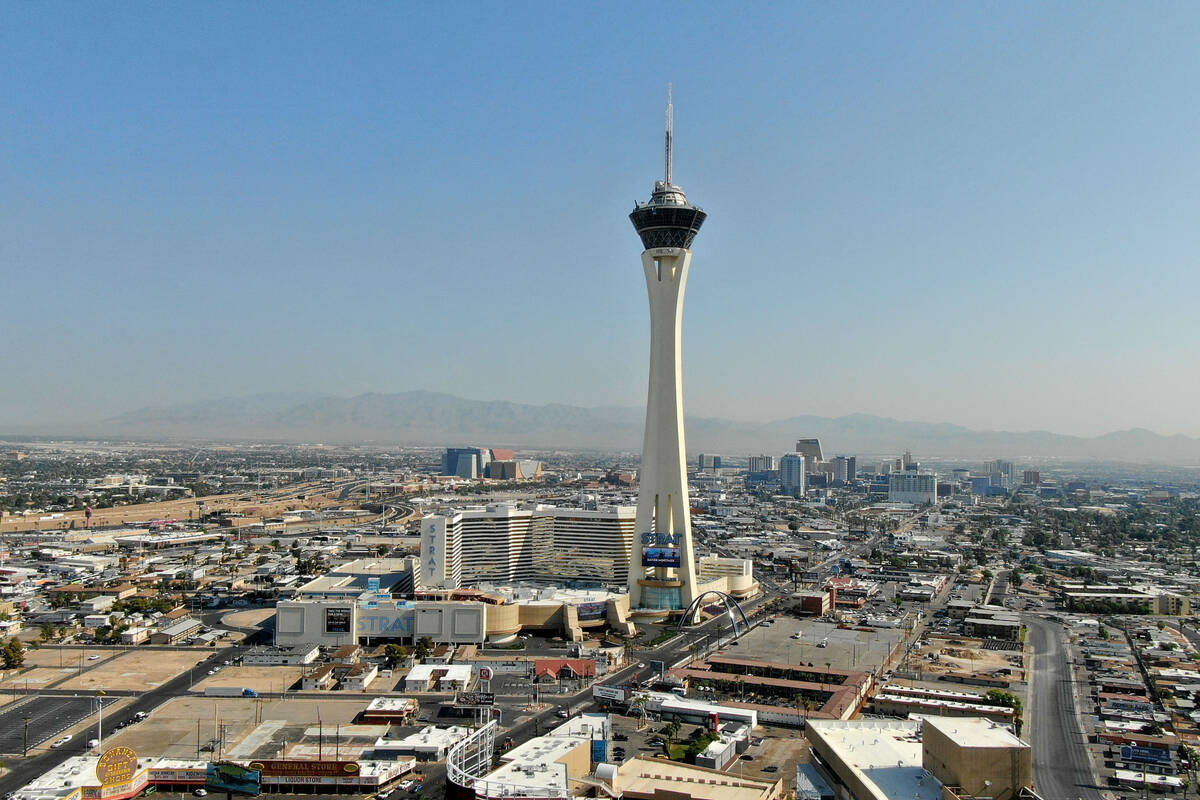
x,y
987,214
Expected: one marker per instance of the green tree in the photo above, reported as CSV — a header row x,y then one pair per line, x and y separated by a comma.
x,y
395,655
423,648
12,654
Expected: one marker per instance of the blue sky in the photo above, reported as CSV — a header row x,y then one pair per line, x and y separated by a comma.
x,y
975,213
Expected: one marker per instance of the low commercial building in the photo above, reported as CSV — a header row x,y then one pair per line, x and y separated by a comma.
x,y
976,757
925,759
431,743
389,711
655,779
1007,629
176,631
285,655
135,635
438,677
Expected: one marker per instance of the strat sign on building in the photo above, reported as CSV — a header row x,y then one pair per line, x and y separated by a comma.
x,y
338,622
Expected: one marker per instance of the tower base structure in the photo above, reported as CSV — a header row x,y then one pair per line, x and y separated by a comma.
x,y
662,574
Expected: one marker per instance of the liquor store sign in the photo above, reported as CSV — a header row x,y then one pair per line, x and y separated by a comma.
x,y
117,765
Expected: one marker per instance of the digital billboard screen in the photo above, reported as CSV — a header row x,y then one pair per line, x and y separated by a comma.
x,y
591,611
337,620
660,556
234,778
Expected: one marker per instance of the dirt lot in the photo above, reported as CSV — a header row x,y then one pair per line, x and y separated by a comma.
x,y
182,725
260,679
960,654
51,656
137,669
250,618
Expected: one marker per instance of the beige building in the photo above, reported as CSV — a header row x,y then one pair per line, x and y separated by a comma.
x,y
929,759
981,758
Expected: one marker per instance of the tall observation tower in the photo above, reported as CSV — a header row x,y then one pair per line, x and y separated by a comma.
x,y
662,569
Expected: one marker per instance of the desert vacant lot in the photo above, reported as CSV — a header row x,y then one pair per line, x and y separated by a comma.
x,y
181,725
138,669
260,679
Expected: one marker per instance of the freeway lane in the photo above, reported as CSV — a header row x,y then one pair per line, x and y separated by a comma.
x,y
1062,767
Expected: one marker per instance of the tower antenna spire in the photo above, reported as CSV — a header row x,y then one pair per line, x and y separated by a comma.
x,y
670,133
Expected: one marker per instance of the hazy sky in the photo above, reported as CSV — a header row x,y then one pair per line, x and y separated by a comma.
x,y
966,212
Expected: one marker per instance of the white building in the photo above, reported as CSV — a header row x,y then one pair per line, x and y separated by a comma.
x,y
509,543
762,464
913,487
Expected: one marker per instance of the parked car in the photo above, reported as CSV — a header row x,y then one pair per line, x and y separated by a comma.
x,y
60,742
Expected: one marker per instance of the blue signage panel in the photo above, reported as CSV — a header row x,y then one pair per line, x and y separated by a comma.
x,y
1146,755
660,556
599,750
234,778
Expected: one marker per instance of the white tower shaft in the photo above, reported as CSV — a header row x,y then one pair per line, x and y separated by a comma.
x,y
663,507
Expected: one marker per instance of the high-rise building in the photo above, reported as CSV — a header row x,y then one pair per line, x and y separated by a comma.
x,y
1031,477
792,473
761,464
466,462
913,487
441,551
907,461
662,571
811,450
843,468
710,461
1002,468
507,543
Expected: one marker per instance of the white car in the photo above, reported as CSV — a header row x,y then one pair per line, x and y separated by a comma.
x,y
60,742
93,658
201,792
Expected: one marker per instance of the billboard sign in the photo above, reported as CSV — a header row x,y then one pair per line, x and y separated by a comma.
x,y
591,611
616,693
599,750
305,769
337,619
116,765
234,778
475,699
1145,755
485,673
660,556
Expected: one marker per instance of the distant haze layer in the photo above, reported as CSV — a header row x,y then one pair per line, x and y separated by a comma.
x,y
431,418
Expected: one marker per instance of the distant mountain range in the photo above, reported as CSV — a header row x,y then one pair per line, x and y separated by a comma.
x,y
440,419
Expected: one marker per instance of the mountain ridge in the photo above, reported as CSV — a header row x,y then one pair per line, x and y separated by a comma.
x,y
436,418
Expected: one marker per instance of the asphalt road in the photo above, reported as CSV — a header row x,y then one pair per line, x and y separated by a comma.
x,y
1062,768
47,717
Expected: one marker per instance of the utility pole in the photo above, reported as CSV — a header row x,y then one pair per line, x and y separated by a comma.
x,y
26,746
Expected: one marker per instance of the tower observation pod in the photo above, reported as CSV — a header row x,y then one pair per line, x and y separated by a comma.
x,y
662,569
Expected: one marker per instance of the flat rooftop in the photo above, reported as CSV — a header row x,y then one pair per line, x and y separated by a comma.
x,y
974,732
651,776
885,754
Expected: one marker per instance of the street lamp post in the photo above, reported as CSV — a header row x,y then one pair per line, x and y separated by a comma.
x,y
25,752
